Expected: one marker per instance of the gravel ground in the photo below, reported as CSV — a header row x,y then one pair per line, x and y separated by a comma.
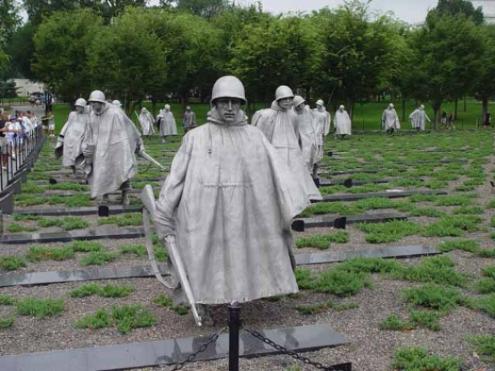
x,y
370,348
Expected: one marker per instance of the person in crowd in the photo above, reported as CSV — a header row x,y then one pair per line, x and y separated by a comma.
x,y
189,119
228,203
71,136
342,123
418,118
109,147
390,119
13,129
311,136
279,125
168,126
4,153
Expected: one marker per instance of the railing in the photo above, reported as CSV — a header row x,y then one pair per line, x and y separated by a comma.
x,y
17,155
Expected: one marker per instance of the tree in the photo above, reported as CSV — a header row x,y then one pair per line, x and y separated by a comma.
x,y
61,52
9,20
358,53
458,8
446,59
276,51
202,8
126,58
21,51
485,79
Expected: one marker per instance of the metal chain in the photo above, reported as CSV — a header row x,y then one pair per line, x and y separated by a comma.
x,y
283,350
191,357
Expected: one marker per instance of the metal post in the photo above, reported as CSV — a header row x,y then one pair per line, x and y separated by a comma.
x,y
234,325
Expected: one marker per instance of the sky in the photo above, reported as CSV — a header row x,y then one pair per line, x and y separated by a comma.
x,y
411,11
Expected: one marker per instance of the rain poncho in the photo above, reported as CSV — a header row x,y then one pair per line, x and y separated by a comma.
x,y
418,119
72,135
342,123
310,133
146,120
280,128
111,140
189,120
167,123
323,120
390,119
229,200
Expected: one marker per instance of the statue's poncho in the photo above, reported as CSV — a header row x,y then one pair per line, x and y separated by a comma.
x,y
309,132
323,120
229,200
146,121
189,119
342,123
280,128
115,140
418,119
390,119
73,134
167,123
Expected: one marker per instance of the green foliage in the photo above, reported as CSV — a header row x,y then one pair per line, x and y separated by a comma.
x,y
305,278
453,226
341,282
426,318
453,200
98,258
138,250
70,223
412,359
6,300
164,301
6,323
486,286
16,228
123,220
68,186
438,269
86,246
485,304
100,319
26,217
39,308
433,297
322,241
484,346
489,272
129,317
464,245
11,263
38,253
389,231
394,323
107,291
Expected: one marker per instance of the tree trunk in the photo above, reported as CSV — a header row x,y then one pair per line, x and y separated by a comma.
x,y
484,108
436,115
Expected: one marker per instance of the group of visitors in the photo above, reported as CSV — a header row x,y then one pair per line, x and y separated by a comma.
x,y
15,127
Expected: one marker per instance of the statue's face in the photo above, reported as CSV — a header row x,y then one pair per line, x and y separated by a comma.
x,y
285,103
97,107
228,108
299,108
79,109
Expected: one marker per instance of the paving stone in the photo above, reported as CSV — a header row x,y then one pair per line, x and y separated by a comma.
x,y
329,220
90,210
386,194
171,351
101,232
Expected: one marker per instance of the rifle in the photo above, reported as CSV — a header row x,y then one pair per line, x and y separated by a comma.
x,y
177,265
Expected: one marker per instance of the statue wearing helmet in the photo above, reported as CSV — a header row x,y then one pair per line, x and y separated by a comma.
x,y
323,124
390,119
69,143
418,118
228,205
166,122
109,146
342,123
309,133
279,124
146,120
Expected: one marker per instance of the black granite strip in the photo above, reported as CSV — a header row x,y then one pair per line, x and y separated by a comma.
x,y
390,194
90,210
398,252
171,351
144,271
328,182
329,220
101,232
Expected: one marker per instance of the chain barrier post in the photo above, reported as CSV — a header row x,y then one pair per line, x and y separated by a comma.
x,y
234,325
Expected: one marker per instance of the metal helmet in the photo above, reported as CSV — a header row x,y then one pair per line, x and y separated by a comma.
x,y
117,103
391,105
97,96
167,106
80,102
228,87
422,107
341,107
298,100
320,102
282,92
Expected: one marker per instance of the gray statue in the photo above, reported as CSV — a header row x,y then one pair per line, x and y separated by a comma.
x,y
189,119
228,204
71,136
342,123
279,125
167,123
418,118
109,146
310,135
390,119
